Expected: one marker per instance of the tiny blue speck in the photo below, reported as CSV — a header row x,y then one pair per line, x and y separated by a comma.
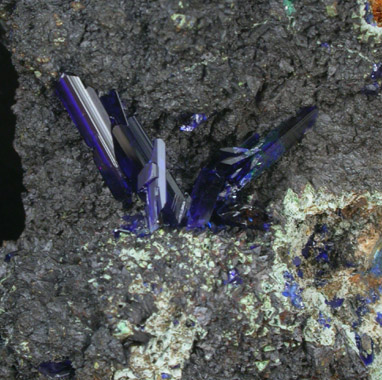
x,y
379,318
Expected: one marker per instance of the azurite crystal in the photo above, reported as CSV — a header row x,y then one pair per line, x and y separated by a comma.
x,y
152,181
218,184
196,120
268,151
91,119
203,197
120,146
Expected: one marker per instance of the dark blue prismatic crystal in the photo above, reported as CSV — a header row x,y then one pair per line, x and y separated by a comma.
x,y
122,150
218,184
203,197
255,160
92,121
137,149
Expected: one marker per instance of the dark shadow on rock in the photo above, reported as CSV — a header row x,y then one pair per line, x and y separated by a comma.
x,y
12,214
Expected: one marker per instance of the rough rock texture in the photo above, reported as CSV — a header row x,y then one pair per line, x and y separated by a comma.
x,y
157,306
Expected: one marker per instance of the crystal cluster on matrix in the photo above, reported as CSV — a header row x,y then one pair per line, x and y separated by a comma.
x,y
130,163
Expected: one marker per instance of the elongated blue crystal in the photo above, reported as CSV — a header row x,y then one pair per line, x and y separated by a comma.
x,y
218,184
203,197
137,150
152,180
256,160
91,119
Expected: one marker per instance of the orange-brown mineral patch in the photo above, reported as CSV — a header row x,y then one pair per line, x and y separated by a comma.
x,y
366,243
376,6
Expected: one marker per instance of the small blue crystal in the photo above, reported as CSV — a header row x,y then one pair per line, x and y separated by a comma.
x,y
371,89
376,266
335,302
233,278
374,87
369,17
56,370
378,318
292,290
376,72
196,120
297,261
136,224
325,45
324,321
308,246
8,256
165,376
322,256
362,306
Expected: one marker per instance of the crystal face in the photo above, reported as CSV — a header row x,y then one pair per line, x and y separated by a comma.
x,y
152,181
92,121
203,197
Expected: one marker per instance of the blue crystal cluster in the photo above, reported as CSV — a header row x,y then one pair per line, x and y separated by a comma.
x,y
324,321
292,291
131,163
127,159
218,184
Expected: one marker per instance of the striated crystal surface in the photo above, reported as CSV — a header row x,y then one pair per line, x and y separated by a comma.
x,y
152,181
91,119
